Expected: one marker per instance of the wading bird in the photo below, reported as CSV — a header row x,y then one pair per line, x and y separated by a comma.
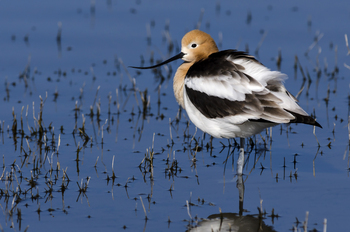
x,y
230,94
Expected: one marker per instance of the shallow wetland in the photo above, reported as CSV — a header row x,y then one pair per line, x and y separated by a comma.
x,y
88,143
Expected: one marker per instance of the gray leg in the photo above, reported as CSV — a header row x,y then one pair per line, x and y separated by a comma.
x,y
240,161
240,186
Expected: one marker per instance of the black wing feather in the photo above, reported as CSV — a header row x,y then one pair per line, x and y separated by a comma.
x,y
263,104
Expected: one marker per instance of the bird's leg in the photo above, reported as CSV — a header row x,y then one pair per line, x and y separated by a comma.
x,y
240,161
240,186
211,145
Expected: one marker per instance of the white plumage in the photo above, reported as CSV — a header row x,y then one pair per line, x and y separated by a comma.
x,y
230,94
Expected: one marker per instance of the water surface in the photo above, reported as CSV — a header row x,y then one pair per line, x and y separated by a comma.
x,y
100,140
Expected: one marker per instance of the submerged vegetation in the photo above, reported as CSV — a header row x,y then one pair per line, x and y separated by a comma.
x,y
107,142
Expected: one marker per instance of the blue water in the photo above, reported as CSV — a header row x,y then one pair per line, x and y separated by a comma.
x,y
98,41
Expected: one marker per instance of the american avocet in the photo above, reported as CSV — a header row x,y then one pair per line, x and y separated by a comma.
x,y
229,93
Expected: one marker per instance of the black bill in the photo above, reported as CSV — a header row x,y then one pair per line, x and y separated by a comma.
x,y
178,56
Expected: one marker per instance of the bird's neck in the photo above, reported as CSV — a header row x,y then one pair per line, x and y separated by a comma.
x,y
178,83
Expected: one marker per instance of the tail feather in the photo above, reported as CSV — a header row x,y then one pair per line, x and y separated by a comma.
x,y
303,119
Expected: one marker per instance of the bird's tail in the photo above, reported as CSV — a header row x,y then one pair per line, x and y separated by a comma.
x,y
306,119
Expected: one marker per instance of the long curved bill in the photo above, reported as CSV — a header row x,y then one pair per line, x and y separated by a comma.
x,y
178,56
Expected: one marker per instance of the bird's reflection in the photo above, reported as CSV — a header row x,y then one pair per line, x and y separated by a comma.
x,y
235,222
231,222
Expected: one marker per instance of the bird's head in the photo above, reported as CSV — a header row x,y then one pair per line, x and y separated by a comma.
x,y
195,45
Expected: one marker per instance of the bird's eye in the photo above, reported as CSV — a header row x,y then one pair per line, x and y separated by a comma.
x,y
193,45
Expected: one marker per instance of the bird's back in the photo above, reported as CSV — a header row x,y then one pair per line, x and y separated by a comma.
x,y
232,87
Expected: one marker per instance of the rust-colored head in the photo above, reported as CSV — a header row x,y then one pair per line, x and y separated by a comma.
x,y
197,45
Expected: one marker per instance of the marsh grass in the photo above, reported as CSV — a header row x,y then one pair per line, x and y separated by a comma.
x,y
41,162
